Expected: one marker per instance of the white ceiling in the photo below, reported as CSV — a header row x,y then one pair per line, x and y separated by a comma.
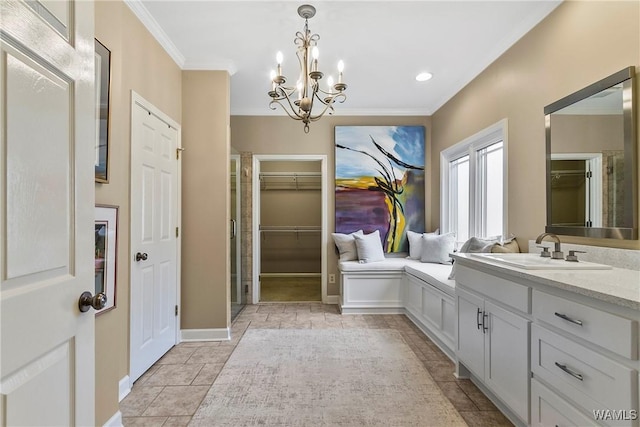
x,y
384,44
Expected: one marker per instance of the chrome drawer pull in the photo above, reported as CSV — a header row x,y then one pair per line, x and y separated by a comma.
x,y
569,371
568,319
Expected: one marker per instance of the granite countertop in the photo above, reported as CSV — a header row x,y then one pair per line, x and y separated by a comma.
x,y
617,286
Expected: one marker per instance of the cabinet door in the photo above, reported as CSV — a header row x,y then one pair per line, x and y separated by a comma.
x,y
507,358
470,348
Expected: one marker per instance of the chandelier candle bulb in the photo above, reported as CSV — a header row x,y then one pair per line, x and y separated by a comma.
x,y
315,53
340,70
272,75
279,59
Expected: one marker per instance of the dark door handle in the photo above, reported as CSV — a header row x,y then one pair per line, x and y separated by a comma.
x,y
87,301
141,256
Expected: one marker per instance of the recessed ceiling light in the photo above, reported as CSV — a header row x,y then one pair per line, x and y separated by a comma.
x,y
423,77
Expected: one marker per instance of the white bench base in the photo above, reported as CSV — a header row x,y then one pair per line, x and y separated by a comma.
x,y
402,286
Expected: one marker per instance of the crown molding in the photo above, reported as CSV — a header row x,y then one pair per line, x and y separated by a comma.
x,y
339,112
221,64
156,31
496,51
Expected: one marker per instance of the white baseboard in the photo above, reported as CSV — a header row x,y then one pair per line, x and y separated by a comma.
x,y
219,334
115,421
371,310
124,388
332,299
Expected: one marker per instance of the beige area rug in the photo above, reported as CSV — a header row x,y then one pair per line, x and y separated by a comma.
x,y
324,377
299,289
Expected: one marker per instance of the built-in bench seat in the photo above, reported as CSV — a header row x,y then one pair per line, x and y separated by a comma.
x,y
422,291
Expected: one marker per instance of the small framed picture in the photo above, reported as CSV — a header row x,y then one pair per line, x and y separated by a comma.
x,y
106,244
102,85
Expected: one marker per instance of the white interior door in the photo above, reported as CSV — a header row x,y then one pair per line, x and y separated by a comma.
x,y
154,240
47,115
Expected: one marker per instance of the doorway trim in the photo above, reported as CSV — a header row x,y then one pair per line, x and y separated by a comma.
x,y
142,102
593,203
257,158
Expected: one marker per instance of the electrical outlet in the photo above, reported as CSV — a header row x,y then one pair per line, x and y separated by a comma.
x,y
332,278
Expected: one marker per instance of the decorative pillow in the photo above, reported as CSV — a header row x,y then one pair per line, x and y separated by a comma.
x,y
510,246
346,245
369,247
436,248
476,245
415,243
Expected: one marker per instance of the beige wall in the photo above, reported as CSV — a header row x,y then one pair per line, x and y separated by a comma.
x,y
138,63
282,135
576,45
586,134
205,200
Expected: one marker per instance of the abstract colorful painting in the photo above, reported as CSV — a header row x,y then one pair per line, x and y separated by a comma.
x,y
380,182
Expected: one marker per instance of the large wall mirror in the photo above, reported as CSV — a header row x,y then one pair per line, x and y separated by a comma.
x,y
591,160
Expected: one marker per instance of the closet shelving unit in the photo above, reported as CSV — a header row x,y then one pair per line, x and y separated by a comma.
x,y
291,181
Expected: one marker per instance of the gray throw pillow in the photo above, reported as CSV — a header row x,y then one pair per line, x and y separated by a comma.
x,y
436,248
415,243
475,245
369,247
346,245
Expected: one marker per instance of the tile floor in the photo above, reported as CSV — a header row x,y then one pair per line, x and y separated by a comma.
x,y
169,393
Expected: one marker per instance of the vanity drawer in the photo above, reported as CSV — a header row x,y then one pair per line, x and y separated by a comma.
x,y
497,288
615,333
586,377
549,409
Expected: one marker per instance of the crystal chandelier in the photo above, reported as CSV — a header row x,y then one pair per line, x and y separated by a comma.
x,y
298,101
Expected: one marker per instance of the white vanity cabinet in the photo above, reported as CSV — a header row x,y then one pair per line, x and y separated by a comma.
x,y
586,355
492,338
551,348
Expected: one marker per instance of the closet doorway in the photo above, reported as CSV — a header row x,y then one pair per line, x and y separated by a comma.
x,y
289,228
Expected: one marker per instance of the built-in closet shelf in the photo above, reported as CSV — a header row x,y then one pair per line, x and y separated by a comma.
x,y
290,229
290,181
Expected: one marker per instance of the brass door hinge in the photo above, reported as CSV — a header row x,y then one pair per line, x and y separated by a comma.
x,y
178,150
176,310
177,231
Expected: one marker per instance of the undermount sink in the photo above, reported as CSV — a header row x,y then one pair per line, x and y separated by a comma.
x,y
530,261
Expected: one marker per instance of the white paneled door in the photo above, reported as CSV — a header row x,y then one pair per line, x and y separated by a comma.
x,y
47,122
154,235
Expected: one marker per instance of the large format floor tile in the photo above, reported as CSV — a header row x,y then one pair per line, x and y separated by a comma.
x,y
169,393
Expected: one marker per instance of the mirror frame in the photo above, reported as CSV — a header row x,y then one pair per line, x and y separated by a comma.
x,y
629,228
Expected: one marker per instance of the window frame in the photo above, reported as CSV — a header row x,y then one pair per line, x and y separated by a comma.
x,y
470,147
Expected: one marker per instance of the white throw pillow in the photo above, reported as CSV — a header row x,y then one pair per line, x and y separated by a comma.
x,y
436,248
415,243
346,245
369,247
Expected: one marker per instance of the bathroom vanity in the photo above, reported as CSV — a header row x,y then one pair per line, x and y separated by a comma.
x,y
550,346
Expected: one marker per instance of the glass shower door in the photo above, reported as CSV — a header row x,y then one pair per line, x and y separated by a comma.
x,y
238,298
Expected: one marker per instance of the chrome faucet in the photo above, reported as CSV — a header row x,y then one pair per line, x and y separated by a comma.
x,y
557,252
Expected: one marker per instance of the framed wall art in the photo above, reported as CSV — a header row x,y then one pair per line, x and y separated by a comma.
x,y
380,182
106,244
102,88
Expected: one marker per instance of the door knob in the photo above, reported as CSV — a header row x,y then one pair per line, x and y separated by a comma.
x,y
87,301
141,256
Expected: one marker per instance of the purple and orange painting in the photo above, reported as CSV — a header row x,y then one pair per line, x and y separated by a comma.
x,y
380,182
